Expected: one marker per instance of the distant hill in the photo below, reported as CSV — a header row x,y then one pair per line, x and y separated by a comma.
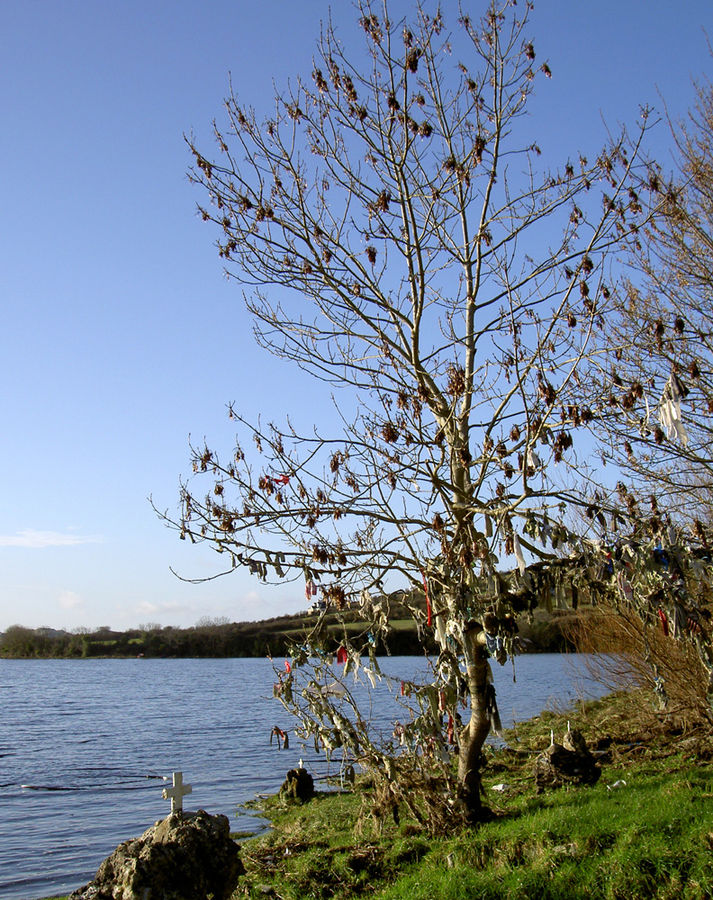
x,y
270,637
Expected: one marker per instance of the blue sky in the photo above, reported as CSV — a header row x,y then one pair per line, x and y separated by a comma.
x,y
120,336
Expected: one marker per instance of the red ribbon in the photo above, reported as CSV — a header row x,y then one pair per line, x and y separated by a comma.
x,y
428,600
664,622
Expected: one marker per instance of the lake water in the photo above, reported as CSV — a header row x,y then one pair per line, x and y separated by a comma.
x,y
85,746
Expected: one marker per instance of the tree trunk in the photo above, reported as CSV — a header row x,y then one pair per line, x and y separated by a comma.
x,y
474,733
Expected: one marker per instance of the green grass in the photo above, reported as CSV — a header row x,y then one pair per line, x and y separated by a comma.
x,y
651,838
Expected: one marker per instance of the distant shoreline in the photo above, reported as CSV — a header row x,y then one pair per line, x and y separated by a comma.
x,y
543,633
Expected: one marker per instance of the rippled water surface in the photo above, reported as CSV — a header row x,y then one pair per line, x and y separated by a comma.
x,y
85,746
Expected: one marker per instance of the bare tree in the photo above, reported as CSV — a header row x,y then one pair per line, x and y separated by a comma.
x,y
398,237
660,363
655,380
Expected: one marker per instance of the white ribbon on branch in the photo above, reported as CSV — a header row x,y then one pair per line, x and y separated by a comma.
x,y
670,409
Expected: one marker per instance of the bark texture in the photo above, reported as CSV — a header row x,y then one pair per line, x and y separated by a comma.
x,y
474,733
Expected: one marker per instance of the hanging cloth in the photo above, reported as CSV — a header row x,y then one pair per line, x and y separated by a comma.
x,y
491,708
428,600
283,741
670,409
664,621
441,630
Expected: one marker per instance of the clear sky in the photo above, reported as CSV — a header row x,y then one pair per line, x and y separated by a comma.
x,y
119,335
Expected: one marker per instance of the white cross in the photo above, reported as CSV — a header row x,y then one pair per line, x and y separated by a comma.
x,y
176,793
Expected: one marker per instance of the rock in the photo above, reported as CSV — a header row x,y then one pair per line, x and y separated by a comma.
x,y
568,763
184,857
575,743
298,785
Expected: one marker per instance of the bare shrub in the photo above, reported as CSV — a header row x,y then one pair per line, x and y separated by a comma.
x,y
626,652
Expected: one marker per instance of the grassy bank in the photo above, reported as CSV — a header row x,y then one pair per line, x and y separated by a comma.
x,y
652,837
649,837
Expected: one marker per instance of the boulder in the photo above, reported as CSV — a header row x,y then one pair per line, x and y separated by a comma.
x,y
298,785
185,857
570,762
